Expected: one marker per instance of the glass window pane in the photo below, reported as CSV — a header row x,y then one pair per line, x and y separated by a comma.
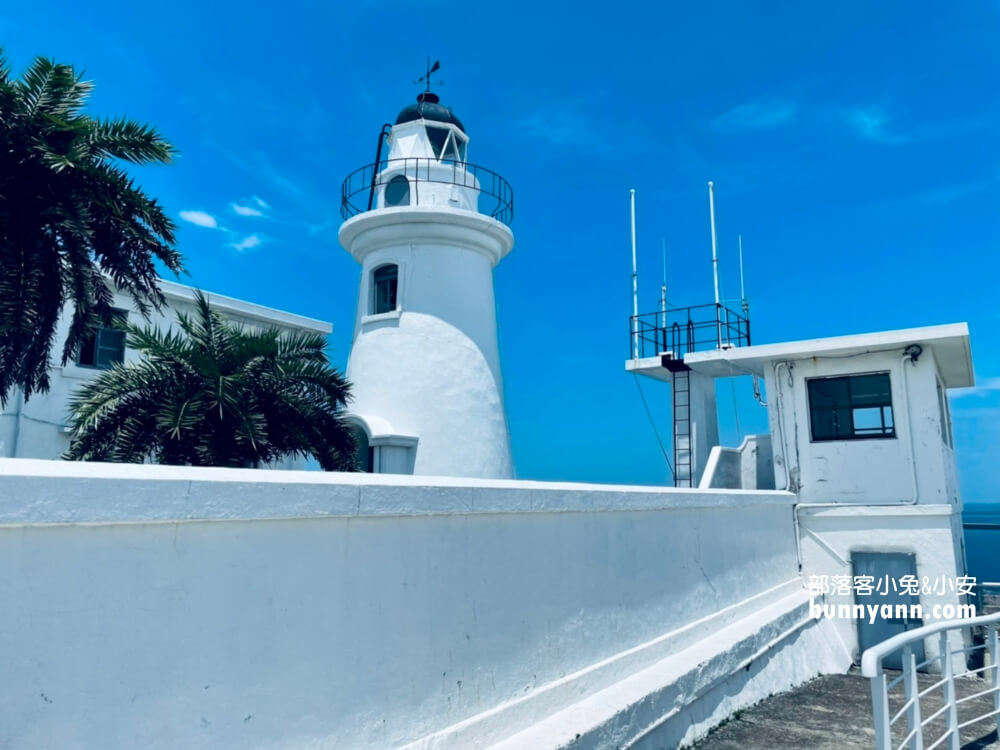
x,y
110,347
437,137
397,192
88,350
870,390
868,419
828,393
384,293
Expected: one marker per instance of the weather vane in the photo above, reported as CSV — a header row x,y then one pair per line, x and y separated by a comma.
x,y
426,78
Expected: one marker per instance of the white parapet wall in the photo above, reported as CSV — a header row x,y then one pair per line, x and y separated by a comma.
x,y
748,467
167,607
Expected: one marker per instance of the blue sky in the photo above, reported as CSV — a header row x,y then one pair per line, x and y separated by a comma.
x,y
854,145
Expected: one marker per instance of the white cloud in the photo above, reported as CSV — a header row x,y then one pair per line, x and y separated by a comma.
x,y
246,243
261,203
763,115
871,123
245,210
983,388
200,218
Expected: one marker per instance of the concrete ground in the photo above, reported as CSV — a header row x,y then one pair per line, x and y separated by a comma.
x,y
834,712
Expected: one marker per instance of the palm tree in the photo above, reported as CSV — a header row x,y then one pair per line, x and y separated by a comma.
x,y
215,394
70,218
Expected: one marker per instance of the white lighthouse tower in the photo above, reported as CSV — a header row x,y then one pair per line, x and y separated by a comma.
x,y
427,228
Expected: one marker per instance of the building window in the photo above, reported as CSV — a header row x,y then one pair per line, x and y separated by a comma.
x,y
854,407
384,285
104,345
397,191
945,415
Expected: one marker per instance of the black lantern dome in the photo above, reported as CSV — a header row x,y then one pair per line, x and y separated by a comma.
x,y
429,107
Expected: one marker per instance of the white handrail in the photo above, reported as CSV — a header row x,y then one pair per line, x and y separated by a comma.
x,y
871,667
874,655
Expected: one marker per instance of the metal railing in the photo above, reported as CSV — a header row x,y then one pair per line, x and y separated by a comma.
x,y
495,194
912,730
682,330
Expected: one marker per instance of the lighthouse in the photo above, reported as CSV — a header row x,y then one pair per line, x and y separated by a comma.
x,y
428,228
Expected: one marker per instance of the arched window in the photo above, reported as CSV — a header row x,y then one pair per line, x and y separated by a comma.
x,y
384,285
397,191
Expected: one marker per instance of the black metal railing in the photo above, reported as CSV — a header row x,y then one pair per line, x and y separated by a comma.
x,y
496,198
682,330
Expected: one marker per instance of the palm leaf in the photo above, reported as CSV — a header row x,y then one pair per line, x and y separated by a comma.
x,y
210,392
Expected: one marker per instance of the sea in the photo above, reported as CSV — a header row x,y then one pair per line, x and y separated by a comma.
x,y
982,546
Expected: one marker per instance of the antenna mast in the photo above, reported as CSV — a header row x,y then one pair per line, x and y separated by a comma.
x,y
715,260
743,291
635,288
663,288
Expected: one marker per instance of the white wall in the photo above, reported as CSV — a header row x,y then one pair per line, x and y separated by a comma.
x,y
747,467
930,532
151,606
704,421
36,429
870,471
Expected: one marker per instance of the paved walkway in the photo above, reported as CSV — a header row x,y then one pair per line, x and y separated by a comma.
x,y
834,713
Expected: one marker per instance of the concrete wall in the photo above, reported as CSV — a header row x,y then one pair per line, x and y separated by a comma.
x,y
37,429
151,606
704,421
869,471
748,467
930,532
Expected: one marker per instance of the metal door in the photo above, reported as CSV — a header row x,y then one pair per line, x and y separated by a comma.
x,y
887,569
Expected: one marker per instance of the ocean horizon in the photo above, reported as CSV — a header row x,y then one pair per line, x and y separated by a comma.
x,y
982,546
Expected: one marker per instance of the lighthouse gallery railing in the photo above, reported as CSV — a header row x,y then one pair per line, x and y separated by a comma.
x,y
496,197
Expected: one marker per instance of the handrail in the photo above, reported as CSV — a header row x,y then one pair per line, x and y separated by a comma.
x,y
872,656
881,687
358,189
682,330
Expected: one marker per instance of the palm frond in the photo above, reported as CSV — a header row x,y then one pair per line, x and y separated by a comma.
x,y
69,215
130,141
213,393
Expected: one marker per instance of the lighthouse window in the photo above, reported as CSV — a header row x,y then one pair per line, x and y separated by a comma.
x,y
397,191
437,137
384,285
854,407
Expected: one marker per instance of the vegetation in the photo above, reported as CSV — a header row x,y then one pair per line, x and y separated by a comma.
x,y
70,218
215,394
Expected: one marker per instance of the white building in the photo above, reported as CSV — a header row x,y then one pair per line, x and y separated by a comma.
x,y
38,428
860,431
428,229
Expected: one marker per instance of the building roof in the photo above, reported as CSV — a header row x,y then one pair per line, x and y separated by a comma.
x,y
429,107
233,306
950,344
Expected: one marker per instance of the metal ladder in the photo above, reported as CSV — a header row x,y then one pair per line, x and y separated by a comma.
x,y
681,398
